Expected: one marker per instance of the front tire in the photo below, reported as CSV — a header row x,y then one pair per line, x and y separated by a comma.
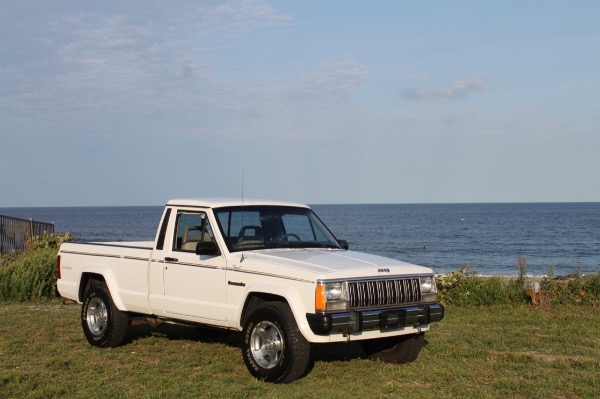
x,y
273,347
402,349
103,324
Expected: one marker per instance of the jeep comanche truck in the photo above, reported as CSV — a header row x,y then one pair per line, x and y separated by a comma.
x,y
271,270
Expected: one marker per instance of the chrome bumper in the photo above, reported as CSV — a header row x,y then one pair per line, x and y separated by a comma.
x,y
377,319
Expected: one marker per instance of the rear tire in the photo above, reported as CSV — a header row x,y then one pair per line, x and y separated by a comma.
x,y
273,347
103,324
402,349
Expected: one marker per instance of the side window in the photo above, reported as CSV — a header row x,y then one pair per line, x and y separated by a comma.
x,y
192,228
160,244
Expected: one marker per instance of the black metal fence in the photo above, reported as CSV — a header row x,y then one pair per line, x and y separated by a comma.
x,y
15,232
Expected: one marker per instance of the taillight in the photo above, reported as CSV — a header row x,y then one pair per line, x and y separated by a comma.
x,y
58,267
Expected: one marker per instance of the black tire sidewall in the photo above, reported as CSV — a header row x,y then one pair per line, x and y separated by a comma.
x,y
296,352
114,332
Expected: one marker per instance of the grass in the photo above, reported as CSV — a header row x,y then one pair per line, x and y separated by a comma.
x,y
549,349
475,352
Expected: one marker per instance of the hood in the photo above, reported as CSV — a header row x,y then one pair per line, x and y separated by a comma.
x,y
326,264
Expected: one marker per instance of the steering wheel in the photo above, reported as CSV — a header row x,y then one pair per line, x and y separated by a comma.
x,y
285,237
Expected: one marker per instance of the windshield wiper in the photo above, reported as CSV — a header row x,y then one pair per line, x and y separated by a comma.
x,y
299,244
320,245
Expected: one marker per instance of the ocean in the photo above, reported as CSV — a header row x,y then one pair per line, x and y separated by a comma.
x,y
562,238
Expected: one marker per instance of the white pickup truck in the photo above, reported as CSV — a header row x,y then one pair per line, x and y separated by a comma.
x,y
271,270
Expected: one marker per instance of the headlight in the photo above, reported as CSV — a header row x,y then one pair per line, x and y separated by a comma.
x,y
334,291
427,284
331,296
428,288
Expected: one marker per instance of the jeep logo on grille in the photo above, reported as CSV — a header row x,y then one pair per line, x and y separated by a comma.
x,y
383,270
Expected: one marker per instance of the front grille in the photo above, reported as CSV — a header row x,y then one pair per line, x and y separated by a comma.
x,y
384,292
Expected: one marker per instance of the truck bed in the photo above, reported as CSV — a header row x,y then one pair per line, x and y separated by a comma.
x,y
122,264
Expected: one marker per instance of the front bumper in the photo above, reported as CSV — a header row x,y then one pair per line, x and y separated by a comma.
x,y
376,319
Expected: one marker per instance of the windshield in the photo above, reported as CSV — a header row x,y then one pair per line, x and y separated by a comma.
x,y
262,227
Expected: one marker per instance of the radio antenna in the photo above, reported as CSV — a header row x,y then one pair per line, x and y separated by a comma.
x,y
242,258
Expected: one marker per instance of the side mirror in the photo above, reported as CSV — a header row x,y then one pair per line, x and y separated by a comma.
x,y
344,244
207,248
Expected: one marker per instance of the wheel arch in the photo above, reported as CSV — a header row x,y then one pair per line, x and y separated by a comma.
x,y
91,277
255,300
260,294
87,279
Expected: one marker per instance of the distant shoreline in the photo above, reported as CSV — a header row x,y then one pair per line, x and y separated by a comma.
x,y
16,207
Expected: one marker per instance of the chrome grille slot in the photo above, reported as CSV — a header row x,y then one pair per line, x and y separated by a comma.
x,y
389,292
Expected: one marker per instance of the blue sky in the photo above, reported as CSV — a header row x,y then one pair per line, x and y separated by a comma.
x,y
133,103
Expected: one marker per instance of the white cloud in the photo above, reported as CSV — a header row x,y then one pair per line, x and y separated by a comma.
x,y
112,66
312,104
243,15
331,80
119,72
457,91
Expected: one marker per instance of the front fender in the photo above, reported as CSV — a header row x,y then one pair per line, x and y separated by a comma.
x,y
291,295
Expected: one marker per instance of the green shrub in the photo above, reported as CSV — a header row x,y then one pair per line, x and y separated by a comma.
x,y
29,277
593,285
47,240
573,290
464,287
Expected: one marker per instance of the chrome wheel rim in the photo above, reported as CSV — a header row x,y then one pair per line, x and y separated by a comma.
x,y
97,316
266,344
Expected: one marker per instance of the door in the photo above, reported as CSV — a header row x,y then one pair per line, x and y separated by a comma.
x,y
194,285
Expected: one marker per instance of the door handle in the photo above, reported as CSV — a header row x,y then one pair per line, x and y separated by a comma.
x,y
169,259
